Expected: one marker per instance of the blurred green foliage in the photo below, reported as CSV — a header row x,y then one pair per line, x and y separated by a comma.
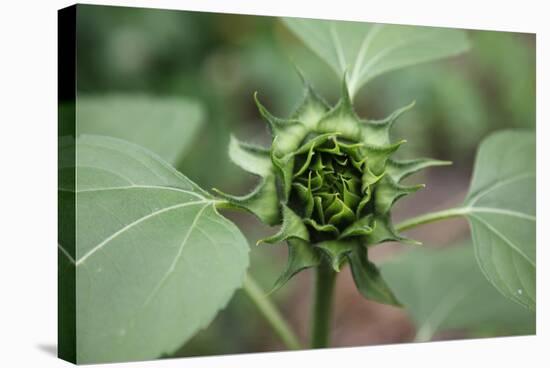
x,y
166,126
221,59
424,280
461,100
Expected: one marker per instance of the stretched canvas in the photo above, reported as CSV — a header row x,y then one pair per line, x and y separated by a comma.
x,y
236,184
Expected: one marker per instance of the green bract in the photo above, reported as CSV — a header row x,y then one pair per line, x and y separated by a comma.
x,y
329,179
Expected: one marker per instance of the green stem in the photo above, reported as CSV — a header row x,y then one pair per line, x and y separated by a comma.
x,y
431,217
322,306
270,313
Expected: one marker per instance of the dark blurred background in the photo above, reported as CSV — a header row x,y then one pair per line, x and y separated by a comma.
x,y
220,60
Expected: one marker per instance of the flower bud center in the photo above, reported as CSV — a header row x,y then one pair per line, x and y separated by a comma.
x,y
326,187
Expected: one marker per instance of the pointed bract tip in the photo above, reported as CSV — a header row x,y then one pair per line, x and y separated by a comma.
x,y
227,197
273,289
345,90
418,187
409,241
223,204
228,202
300,73
256,99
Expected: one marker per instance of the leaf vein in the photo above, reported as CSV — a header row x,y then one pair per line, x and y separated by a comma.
x,y
132,224
499,211
337,47
137,186
365,45
178,255
498,184
505,239
65,252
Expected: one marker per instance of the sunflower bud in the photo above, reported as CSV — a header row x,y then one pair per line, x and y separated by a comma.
x,y
329,180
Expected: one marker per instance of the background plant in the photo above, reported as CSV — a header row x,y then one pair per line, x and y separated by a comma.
x,y
133,175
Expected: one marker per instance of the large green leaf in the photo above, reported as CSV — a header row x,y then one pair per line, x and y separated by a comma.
x,y
155,262
500,207
164,125
366,50
445,290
